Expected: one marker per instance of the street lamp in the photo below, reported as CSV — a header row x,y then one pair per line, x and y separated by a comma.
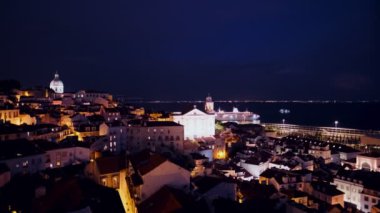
x,y
336,124
283,125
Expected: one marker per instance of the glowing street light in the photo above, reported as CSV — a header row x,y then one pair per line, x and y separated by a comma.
x,y
336,124
283,121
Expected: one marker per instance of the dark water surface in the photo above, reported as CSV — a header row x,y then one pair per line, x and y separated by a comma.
x,y
350,115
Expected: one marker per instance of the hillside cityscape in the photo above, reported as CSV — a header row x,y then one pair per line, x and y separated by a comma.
x,y
87,151
216,106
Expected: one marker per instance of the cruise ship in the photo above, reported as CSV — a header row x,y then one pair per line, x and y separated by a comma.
x,y
236,116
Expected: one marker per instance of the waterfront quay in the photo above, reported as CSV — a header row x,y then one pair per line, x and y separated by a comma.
x,y
357,137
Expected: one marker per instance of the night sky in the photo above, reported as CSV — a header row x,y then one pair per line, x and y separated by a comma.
x,y
182,49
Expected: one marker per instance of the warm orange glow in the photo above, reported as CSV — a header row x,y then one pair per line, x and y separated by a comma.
x,y
221,154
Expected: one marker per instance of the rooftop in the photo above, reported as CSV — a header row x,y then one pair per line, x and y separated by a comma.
x,y
152,123
326,188
145,161
166,199
206,183
112,164
371,154
17,149
73,194
369,179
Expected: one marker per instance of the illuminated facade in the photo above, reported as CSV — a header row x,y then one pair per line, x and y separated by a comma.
x,y
10,115
197,124
237,116
360,188
14,117
209,105
368,161
116,134
66,156
155,135
56,84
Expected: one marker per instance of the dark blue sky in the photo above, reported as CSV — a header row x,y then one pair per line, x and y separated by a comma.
x,y
182,49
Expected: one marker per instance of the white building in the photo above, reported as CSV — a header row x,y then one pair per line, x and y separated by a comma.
x,y
66,156
155,135
151,172
116,134
255,168
21,156
197,124
360,188
368,161
56,84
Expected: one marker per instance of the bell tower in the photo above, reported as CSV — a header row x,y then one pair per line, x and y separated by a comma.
x,y
209,105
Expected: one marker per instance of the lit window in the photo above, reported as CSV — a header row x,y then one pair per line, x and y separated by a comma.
x,y
115,182
104,181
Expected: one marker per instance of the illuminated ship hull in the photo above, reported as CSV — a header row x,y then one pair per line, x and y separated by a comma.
x,y
237,117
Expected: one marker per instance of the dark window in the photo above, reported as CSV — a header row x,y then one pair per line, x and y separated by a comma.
x,y
366,206
366,198
374,200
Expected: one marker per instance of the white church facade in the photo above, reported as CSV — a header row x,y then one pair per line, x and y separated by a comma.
x,y
197,124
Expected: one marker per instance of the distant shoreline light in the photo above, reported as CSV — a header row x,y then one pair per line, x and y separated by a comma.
x,y
257,101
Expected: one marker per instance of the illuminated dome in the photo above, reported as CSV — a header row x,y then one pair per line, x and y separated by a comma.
x,y
56,84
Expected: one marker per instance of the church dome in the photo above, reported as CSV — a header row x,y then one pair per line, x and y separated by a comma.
x,y
56,84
